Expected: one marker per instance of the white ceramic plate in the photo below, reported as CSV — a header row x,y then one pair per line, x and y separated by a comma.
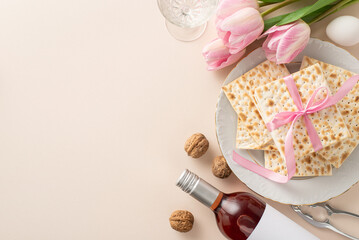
x,y
304,191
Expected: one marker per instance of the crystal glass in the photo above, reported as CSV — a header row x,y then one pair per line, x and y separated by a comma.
x,y
186,20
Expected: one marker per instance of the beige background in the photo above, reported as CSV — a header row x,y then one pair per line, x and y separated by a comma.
x,y
96,102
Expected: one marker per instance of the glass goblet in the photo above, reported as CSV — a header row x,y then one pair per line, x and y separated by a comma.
x,y
186,20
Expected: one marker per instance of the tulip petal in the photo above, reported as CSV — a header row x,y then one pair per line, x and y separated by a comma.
x,y
224,35
242,41
243,21
270,53
271,56
235,50
228,7
217,55
240,29
277,28
293,42
273,40
215,50
285,42
226,62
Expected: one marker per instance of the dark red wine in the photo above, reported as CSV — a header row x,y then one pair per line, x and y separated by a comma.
x,y
242,215
238,214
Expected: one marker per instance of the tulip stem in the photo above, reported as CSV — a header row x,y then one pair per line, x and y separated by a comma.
x,y
283,4
336,7
262,4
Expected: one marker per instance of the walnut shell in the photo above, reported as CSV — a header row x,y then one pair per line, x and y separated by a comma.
x,y
196,145
182,220
220,167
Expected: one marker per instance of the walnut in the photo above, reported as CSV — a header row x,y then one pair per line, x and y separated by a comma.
x,y
181,220
220,167
196,145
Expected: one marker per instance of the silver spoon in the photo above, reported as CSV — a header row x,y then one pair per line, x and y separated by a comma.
x,y
319,224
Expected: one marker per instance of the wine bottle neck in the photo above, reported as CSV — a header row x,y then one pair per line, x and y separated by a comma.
x,y
200,189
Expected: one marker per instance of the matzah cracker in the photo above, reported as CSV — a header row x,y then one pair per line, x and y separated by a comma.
x,y
245,141
348,107
310,165
274,97
239,95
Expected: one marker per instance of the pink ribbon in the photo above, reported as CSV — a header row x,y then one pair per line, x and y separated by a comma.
x,y
283,118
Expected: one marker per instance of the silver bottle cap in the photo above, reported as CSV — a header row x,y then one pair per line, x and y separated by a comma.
x,y
197,188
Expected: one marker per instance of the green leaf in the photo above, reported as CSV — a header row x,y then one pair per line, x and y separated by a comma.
x,y
268,23
308,18
319,4
294,16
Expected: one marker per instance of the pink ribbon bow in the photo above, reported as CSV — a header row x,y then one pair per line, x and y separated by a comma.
x,y
283,118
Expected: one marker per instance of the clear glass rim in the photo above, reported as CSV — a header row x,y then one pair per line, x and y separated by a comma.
x,y
188,27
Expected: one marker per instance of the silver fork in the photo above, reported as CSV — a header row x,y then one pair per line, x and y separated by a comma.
x,y
331,210
319,224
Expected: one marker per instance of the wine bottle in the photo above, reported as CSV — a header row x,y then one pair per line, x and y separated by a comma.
x,y
241,215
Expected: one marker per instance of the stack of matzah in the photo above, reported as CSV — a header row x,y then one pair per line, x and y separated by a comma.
x,y
261,93
348,107
252,132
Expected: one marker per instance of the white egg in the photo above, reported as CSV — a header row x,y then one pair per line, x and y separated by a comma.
x,y
344,30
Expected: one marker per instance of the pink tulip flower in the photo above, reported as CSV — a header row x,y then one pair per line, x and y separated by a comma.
x,y
217,55
285,42
240,29
228,7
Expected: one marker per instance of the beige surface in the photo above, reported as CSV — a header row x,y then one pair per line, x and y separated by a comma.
x,y
96,102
